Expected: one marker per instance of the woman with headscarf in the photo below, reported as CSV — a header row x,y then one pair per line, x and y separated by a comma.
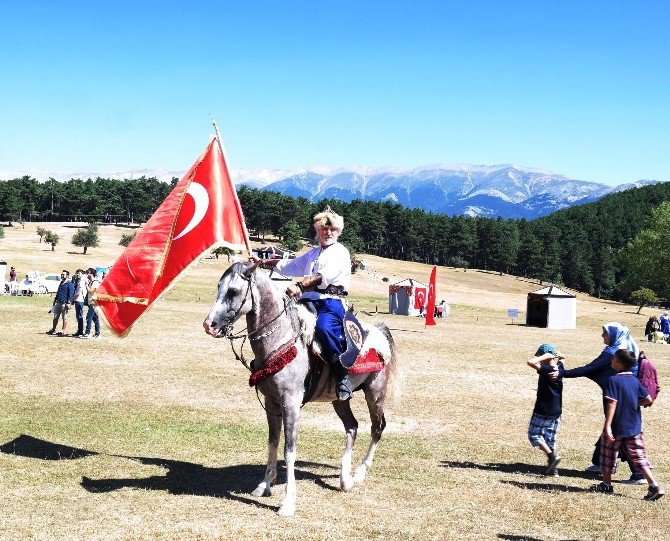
x,y
615,336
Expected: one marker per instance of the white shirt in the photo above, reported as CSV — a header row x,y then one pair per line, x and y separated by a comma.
x,y
333,263
80,290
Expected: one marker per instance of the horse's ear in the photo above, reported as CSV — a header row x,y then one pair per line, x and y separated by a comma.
x,y
250,270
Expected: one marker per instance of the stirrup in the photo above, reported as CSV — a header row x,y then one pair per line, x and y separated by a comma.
x,y
343,389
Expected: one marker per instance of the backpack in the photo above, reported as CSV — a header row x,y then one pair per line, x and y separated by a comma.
x,y
648,376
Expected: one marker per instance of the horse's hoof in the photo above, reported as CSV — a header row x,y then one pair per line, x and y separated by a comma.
x,y
347,484
359,474
262,491
286,510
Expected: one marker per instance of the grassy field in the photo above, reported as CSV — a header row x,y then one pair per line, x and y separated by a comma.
x,y
158,436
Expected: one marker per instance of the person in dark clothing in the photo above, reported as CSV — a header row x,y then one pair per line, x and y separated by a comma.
x,y
615,336
62,302
546,418
623,397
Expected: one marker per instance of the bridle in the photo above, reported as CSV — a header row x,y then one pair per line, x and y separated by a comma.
x,y
253,336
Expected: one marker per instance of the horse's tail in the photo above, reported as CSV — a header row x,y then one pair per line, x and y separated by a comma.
x,y
395,375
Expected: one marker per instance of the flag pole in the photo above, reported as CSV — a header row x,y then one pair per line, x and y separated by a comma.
x,y
237,201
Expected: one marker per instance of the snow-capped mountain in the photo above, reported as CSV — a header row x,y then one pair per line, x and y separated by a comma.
x,y
509,191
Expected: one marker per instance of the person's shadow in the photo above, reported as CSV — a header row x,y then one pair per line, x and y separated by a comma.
x,y
516,467
181,478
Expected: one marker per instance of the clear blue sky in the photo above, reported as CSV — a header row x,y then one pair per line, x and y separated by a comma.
x,y
578,88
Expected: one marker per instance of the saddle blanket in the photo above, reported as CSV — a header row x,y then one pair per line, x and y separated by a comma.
x,y
369,362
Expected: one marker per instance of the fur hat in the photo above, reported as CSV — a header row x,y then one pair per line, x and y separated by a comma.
x,y
328,218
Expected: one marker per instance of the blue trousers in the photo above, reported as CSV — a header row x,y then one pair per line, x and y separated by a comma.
x,y
92,317
330,326
79,312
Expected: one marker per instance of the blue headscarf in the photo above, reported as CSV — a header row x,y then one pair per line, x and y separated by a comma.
x,y
620,338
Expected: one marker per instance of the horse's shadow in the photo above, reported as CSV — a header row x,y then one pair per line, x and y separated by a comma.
x,y
181,478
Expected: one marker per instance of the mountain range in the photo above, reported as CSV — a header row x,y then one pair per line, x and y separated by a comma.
x,y
509,191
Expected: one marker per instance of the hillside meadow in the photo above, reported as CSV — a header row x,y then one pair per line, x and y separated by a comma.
x,y
158,435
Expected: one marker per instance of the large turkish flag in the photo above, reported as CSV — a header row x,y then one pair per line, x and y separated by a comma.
x,y
201,213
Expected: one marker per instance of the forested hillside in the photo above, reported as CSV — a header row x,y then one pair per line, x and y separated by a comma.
x,y
578,246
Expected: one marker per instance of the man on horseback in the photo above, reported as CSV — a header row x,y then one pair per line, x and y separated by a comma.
x,y
326,273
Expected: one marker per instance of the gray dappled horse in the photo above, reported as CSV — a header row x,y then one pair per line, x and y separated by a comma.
x,y
273,321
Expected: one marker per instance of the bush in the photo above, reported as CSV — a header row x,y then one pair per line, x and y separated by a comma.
x,y
2,232
127,239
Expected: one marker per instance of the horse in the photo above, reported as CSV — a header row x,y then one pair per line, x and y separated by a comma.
x,y
276,322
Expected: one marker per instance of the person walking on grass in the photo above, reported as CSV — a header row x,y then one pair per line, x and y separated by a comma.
x,y
91,316
62,302
546,418
623,397
81,281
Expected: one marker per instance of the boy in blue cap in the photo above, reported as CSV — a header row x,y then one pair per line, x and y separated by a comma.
x,y
546,418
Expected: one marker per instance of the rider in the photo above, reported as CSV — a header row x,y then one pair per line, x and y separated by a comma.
x,y
326,272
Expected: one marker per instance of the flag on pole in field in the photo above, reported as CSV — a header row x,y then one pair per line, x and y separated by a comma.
x,y
201,213
430,311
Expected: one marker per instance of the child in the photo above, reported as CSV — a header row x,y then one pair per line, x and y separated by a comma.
x,y
623,397
546,417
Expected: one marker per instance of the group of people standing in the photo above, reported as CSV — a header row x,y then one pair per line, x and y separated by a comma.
x,y
76,292
628,381
658,328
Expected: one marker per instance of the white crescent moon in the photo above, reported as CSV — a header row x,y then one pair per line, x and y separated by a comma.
x,y
201,200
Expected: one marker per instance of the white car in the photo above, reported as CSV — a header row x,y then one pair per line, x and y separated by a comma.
x,y
40,284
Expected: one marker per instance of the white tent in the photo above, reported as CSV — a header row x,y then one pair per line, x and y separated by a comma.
x,y
551,307
407,297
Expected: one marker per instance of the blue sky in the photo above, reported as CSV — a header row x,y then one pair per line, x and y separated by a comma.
x,y
578,88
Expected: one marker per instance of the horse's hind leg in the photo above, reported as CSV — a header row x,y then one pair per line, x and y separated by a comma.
x,y
343,410
375,401
274,432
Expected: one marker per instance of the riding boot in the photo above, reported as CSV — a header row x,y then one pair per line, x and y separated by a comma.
x,y
343,387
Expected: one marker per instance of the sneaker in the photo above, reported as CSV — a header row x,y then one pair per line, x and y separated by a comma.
x,y
593,468
552,461
60,333
603,488
95,337
654,493
635,479
51,332
84,336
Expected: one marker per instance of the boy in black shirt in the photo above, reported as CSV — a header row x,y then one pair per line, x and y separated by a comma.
x,y
546,417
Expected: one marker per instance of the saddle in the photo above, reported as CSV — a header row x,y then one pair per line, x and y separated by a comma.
x,y
354,335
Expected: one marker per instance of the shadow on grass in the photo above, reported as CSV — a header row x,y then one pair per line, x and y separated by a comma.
x,y
181,478
517,467
30,447
511,537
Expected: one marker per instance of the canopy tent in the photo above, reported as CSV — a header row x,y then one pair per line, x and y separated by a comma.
x,y
408,297
551,307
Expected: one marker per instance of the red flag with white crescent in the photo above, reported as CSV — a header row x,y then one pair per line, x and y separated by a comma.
x,y
430,310
201,213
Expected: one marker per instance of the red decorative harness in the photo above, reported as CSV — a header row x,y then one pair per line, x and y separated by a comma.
x,y
370,362
276,362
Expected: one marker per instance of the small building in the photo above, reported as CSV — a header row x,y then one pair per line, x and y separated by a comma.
x,y
408,298
552,308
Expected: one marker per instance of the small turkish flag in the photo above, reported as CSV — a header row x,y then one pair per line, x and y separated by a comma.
x,y
201,213
419,298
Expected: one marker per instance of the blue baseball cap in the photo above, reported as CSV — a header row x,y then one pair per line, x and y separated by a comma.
x,y
545,348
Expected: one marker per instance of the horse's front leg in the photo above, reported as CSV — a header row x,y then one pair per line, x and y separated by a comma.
x,y
273,413
291,413
343,410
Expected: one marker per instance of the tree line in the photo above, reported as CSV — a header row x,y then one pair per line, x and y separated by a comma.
x,y
582,247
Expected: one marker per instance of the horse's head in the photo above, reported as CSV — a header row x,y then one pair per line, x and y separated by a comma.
x,y
234,298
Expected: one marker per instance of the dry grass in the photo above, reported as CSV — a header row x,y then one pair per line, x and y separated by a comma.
x,y
172,440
